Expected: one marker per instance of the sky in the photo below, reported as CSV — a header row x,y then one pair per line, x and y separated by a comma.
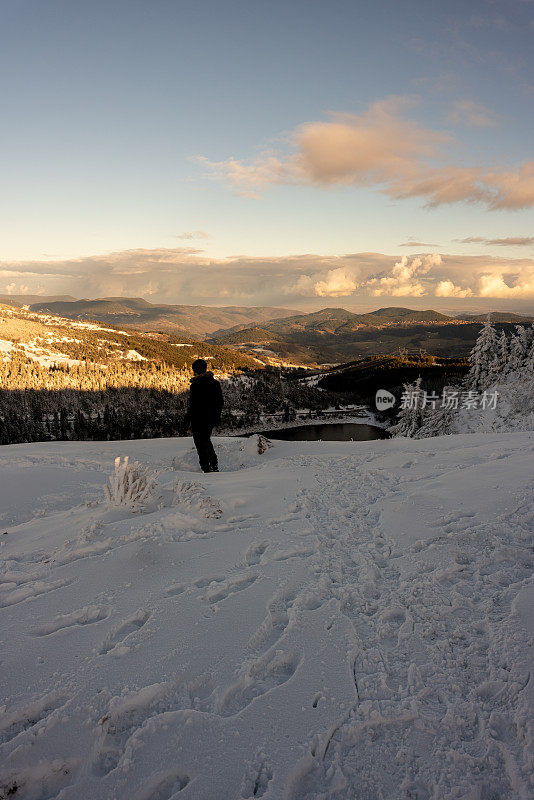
x,y
299,153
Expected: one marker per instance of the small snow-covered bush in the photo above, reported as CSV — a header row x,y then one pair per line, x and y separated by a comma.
x,y
132,486
256,445
194,496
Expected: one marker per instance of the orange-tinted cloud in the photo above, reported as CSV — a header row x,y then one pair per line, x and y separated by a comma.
x,y
496,286
186,275
416,244
383,149
337,283
189,235
449,289
404,280
507,241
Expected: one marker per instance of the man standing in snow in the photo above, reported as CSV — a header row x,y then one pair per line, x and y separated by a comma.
x,y
203,413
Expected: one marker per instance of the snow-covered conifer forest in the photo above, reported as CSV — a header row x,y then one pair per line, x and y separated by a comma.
x,y
497,393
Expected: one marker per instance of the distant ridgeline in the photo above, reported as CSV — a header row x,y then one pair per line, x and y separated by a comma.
x,y
334,335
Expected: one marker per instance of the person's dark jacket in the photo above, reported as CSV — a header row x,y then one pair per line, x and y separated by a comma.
x,y
205,402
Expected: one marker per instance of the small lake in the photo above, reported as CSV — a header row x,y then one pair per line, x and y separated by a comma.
x,y
336,432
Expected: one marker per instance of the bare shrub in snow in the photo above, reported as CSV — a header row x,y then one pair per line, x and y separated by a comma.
x,y
131,486
194,496
263,444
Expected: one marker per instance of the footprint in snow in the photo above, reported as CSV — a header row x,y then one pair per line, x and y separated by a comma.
x,y
275,623
230,586
125,714
20,720
393,626
257,781
174,589
259,678
297,551
201,583
254,553
163,786
83,616
113,643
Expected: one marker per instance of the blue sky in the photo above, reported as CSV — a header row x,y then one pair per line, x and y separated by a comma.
x,y
150,127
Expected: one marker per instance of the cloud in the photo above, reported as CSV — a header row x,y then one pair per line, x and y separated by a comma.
x,y
14,288
338,283
16,270
495,286
416,244
404,280
474,115
508,241
513,189
186,275
349,149
304,286
448,289
499,189
188,235
513,241
384,149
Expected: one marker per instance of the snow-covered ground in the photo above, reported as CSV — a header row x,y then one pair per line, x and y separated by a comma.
x,y
326,620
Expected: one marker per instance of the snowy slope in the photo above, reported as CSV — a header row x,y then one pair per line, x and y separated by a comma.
x,y
327,620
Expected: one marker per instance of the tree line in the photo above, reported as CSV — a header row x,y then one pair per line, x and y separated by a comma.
x,y
498,364
126,400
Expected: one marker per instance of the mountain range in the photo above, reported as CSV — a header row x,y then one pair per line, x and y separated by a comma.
x,y
141,315
333,335
328,336
331,321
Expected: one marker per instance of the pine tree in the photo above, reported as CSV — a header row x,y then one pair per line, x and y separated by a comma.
x,y
519,347
482,358
411,414
499,365
529,358
437,422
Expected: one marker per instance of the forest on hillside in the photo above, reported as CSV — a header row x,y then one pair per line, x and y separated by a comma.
x,y
61,380
133,400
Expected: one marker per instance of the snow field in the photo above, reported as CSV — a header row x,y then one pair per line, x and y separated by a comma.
x,y
324,620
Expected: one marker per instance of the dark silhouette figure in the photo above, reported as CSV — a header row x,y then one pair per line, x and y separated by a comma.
x,y
203,413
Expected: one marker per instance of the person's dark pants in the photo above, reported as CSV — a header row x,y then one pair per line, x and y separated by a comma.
x,y
206,453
